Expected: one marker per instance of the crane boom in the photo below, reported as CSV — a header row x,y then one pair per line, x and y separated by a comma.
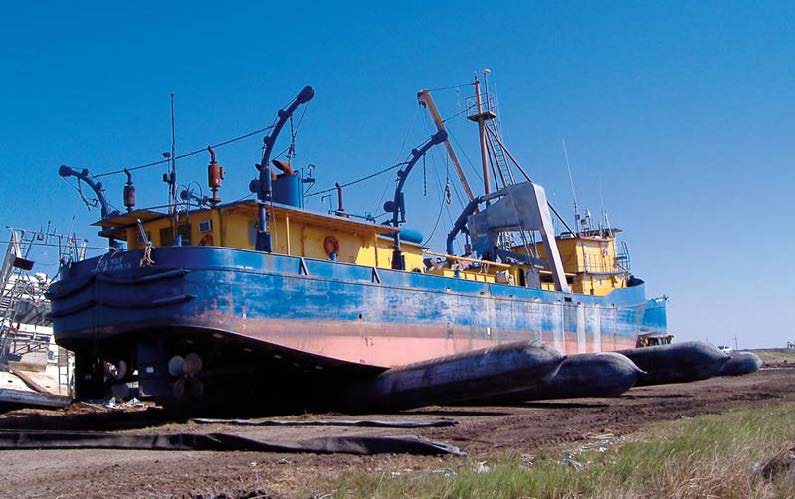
x,y
424,98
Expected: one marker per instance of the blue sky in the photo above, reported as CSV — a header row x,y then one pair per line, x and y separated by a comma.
x,y
681,114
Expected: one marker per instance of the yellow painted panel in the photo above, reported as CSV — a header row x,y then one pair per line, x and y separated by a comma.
x,y
235,230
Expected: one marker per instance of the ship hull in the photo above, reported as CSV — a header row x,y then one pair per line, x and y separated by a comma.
x,y
327,315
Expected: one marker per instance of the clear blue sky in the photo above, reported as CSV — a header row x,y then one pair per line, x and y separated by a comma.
x,y
683,113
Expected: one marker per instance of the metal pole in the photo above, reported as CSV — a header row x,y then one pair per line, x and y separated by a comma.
x,y
571,181
486,73
484,157
173,190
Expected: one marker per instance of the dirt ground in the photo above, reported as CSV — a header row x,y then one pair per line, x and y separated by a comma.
x,y
483,432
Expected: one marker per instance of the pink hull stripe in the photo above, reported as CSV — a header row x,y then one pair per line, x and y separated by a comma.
x,y
389,345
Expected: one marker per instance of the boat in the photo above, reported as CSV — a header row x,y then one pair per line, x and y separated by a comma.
x,y
34,371
271,301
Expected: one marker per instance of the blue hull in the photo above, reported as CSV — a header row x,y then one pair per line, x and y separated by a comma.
x,y
297,303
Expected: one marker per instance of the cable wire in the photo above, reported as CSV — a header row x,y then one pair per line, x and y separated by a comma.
x,y
464,153
187,154
450,87
358,180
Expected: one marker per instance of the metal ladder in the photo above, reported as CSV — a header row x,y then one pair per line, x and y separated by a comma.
x,y
622,260
65,381
17,284
501,164
12,286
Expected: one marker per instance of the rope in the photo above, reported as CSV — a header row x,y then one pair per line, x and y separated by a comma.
x,y
435,225
459,113
399,154
354,182
294,131
450,87
424,178
89,203
442,197
146,259
463,151
187,154
441,208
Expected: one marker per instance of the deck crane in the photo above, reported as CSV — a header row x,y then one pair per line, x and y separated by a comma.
x,y
262,185
105,209
397,206
426,101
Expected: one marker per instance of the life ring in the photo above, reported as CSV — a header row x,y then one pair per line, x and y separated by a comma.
x,y
207,240
331,245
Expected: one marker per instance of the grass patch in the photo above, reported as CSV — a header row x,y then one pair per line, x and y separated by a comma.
x,y
707,456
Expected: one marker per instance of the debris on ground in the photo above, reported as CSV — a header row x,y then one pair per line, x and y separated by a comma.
x,y
782,465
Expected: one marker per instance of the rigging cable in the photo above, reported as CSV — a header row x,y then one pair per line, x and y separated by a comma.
x,y
469,161
424,177
187,154
89,203
294,132
399,154
442,199
450,87
362,179
459,113
438,219
291,149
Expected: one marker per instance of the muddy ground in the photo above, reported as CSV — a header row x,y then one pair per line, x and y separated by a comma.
x,y
484,432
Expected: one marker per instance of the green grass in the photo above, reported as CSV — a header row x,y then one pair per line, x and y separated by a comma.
x,y
776,355
708,456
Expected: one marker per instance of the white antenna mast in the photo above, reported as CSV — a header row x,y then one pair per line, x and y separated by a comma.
x,y
573,192
603,218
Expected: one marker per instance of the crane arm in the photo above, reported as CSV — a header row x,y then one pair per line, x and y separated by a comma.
x,y
84,175
425,99
261,185
396,206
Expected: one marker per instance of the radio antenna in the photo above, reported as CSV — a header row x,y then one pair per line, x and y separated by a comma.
x,y
573,192
605,219
173,187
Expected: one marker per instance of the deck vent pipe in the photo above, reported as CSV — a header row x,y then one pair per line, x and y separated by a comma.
x,y
340,209
215,173
129,192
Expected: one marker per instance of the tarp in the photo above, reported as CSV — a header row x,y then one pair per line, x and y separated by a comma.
x,y
371,423
362,445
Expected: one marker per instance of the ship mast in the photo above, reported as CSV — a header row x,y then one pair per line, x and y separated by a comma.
x,y
481,116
